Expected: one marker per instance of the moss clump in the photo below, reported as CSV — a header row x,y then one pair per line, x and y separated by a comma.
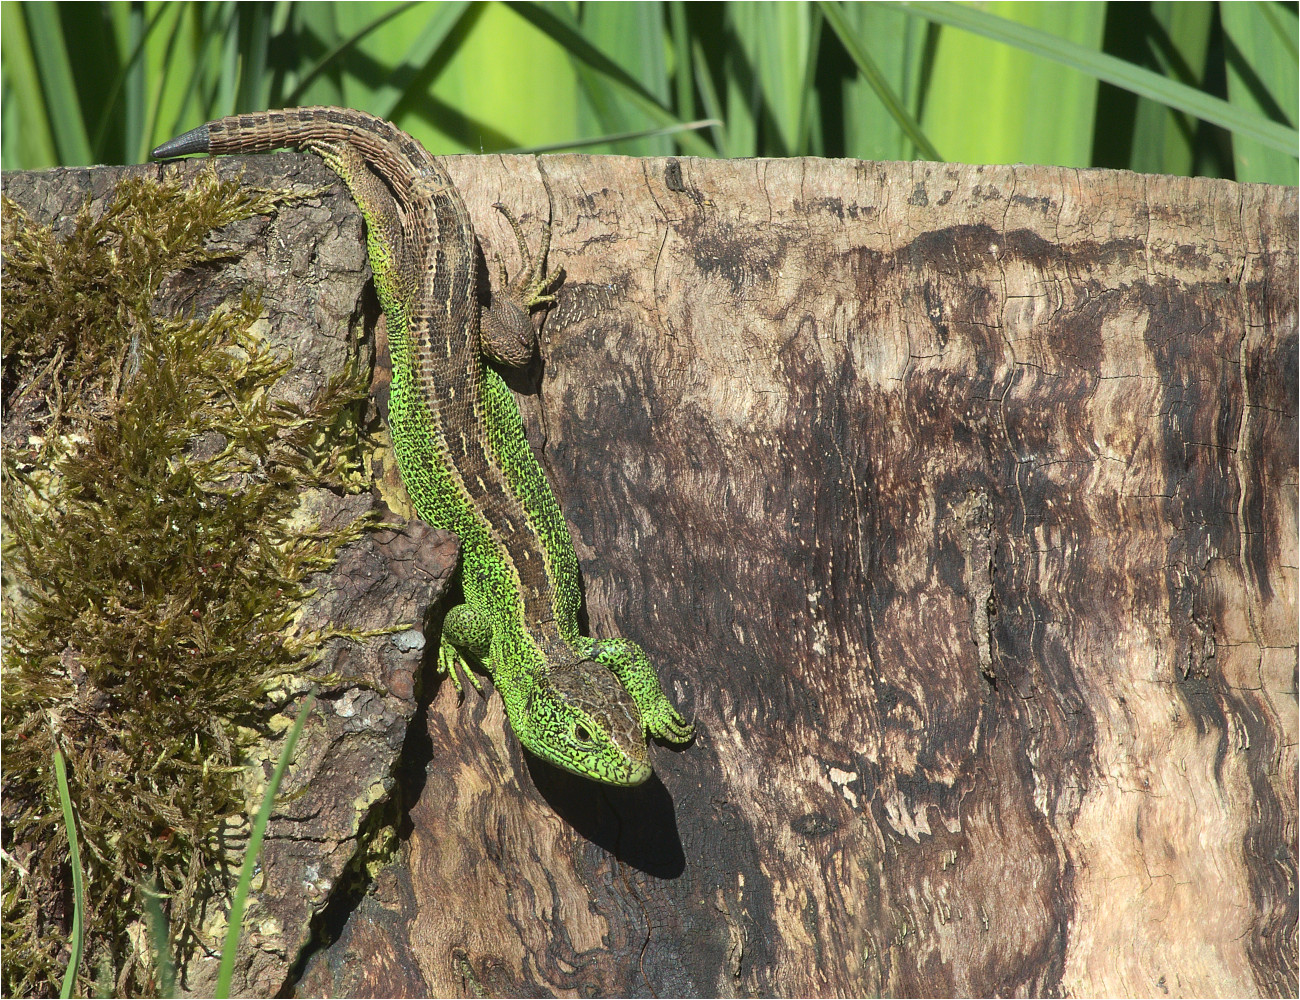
x,y
153,568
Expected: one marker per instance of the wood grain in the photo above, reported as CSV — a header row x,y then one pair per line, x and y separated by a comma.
x,y
960,505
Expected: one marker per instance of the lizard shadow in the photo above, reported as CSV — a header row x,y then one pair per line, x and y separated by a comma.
x,y
636,825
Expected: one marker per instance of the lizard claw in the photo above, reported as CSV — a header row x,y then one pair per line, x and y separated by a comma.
x,y
671,726
452,664
530,288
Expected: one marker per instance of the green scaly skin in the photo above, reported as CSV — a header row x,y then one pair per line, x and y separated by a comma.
x,y
583,704
506,436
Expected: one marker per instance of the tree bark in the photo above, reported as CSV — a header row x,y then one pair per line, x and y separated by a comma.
x,y
957,505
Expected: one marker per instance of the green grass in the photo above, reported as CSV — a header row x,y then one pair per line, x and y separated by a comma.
x,y
77,942
158,930
230,949
1199,88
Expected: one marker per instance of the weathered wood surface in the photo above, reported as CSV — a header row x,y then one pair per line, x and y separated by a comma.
x,y
958,505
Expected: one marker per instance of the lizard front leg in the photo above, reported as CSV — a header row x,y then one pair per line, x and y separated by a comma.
x,y
632,667
464,629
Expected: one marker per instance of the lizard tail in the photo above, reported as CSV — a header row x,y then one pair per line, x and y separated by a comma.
x,y
382,143
196,140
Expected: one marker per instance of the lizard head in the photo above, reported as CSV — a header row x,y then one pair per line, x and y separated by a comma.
x,y
583,720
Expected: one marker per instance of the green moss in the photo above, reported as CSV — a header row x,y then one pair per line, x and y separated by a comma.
x,y
153,569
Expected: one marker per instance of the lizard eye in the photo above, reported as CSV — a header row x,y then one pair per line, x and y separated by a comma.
x,y
581,735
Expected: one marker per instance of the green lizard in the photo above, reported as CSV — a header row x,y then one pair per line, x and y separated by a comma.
x,y
584,704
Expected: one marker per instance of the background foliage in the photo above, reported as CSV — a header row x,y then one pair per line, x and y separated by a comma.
x,y
1195,88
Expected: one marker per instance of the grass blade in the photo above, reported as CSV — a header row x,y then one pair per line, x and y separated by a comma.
x,y
411,72
135,85
226,71
708,93
78,889
255,36
148,137
867,67
162,954
1140,81
567,33
808,110
55,68
1262,79
325,61
211,30
29,143
780,49
1164,141
231,946
634,37
742,96
132,61
1285,37
987,102
560,27
680,35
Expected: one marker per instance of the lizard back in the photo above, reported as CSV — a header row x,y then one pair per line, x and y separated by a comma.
x,y
437,406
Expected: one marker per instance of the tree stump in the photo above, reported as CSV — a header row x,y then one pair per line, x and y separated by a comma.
x,y
958,507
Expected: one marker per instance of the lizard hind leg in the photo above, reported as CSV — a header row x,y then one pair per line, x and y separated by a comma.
x,y
452,664
386,242
507,331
